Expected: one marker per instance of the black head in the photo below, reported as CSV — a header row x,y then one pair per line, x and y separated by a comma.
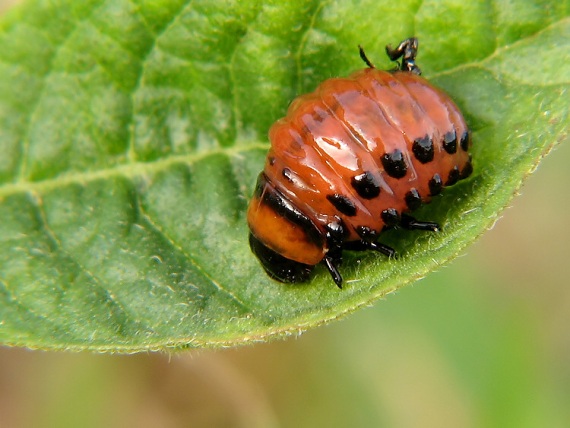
x,y
407,50
277,266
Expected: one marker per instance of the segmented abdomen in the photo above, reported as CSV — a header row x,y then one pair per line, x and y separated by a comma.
x,y
367,148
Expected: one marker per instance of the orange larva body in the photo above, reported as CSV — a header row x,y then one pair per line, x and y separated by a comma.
x,y
350,159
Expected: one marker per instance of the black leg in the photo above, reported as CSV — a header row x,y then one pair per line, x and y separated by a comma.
x,y
384,249
407,50
368,245
330,263
408,222
364,57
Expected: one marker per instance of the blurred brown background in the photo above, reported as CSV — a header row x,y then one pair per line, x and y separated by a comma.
x,y
482,343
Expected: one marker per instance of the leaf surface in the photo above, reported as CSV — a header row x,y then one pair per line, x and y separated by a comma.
x,y
132,133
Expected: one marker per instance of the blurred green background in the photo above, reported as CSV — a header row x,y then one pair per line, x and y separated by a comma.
x,y
482,343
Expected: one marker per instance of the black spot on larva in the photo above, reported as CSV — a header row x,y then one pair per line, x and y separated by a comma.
x,y
413,199
336,233
395,164
287,174
453,176
271,161
423,149
450,142
366,233
366,185
390,217
467,169
435,185
464,142
343,204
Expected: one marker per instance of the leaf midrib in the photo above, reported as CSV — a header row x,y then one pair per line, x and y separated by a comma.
x,y
127,170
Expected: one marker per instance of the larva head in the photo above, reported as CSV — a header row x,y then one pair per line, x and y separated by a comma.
x,y
286,241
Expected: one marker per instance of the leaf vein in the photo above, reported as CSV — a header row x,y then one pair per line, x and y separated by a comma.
x,y
124,170
302,43
96,281
499,50
14,301
25,141
175,245
131,152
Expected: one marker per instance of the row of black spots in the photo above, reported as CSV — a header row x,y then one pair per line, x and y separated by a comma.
x,y
424,152
395,165
391,218
368,188
343,204
450,141
337,234
423,148
366,185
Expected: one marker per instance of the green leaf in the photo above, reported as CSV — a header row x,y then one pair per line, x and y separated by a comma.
x,y
132,133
